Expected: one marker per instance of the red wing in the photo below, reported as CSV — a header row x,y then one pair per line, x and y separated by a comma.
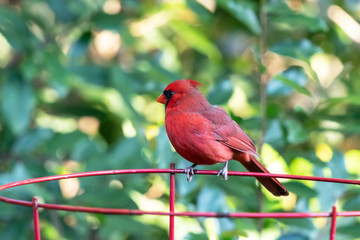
x,y
228,131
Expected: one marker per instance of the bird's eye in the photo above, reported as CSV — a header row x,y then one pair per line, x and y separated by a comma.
x,y
168,94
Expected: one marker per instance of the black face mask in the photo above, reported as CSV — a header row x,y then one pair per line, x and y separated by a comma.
x,y
168,94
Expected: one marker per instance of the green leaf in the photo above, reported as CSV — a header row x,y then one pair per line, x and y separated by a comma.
x,y
326,198
151,69
296,133
300,189
85,8
352,204
211,200
298,223
113,23
293,85
196,39
60,145
244,12
232,234
119,80
302,49
274,134
196,236
81,46
124,152
285,19
203,13
58,74
337,166
351,230
292,79
293,236
338,170
163,149
296,21
18,101
109,22
31,140
17,173
116,227
15,231
93,73
61,11
349,99
221,92
13,27
86,149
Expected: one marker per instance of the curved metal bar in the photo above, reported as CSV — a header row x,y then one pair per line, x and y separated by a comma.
x,y
172,213
205,172
117,211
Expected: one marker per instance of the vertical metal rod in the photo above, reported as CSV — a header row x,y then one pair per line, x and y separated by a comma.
x,y
172,203
333,223
36,218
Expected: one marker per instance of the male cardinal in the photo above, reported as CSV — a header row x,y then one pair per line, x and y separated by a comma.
x,y
205,134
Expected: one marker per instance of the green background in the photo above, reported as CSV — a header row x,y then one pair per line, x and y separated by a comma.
x,y
78,83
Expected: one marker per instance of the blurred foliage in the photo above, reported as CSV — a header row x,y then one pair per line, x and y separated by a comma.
x,y
79,81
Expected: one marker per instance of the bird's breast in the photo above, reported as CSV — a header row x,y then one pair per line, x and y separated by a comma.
x,y
193,137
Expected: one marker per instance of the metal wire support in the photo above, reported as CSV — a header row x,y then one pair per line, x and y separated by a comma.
x,y
333,223
172,213
172,204
35,207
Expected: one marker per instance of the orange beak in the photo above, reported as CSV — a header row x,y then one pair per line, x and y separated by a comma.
x,y
161,99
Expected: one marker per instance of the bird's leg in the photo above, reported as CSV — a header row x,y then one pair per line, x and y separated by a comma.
x,y
189,171
224,171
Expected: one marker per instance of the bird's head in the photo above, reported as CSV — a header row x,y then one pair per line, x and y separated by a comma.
x,y
178,91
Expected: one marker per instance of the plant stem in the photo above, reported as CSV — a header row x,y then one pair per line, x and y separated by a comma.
x,y
263,100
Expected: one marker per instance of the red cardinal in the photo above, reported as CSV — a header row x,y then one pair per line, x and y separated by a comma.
x,y
206,134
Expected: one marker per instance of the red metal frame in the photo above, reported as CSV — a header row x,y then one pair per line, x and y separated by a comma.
x,y
35,206
333,223
172,214
172,204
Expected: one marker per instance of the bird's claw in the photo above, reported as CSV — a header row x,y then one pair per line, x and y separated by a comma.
x,y
224,172
189,171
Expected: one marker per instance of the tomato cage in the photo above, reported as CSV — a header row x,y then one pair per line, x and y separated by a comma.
x,y
34,204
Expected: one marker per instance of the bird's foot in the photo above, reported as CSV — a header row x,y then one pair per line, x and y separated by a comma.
x,y
224,171
189,171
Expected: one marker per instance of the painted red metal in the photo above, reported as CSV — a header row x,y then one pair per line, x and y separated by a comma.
x,y
172,214
172,204
118,211
35,206
204,172
333,223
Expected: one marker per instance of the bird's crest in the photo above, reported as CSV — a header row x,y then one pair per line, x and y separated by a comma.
x,y
194,83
